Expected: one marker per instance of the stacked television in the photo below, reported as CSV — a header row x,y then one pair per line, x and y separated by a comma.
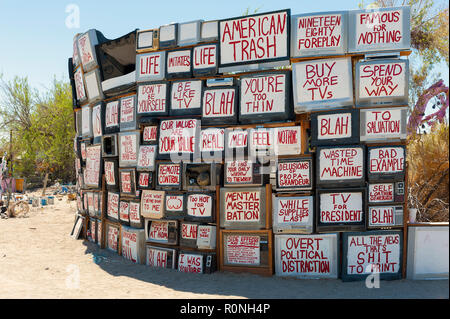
x,y
275,147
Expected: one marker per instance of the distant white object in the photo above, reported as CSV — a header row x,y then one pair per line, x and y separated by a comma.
x,y
427,252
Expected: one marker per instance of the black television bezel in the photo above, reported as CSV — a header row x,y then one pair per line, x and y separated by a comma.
x,y
223,119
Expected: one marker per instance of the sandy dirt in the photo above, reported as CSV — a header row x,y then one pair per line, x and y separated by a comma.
x,y
38,259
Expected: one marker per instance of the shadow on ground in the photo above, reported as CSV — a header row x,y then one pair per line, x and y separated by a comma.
x,y
251,286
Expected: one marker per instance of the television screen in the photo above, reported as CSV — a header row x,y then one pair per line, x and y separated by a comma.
x,y
113,233
200,207
201,176
75,55
179,64
188,234
128,113
168,36
124,212
152,99
196,262
381,82
161,257
209,31
86,121
127,178
244,173
112,206
366,253
205,60
136,219
265,97
146,157
381,125
186,97
383,217
385,193
133,244
336,127
175,205
98,116
294,174
150,66
308,38
287,140
109,145
386,163
112,123
111,168
178,139
91,230
341,210
261,144
86,48
246,249
243,208
236,143
90,201
293,214
380,29
147,40
150,134
212,144
189,32
206,237
168,175
153,204
129,148
145,180
92,81
79,86
219,105
271,39
322,84
338,166
99,232
93,170
161,231
307,256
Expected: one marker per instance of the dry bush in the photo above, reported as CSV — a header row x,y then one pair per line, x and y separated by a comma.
x,y
428,174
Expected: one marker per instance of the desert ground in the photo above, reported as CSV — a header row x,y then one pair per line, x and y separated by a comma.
x,y
39,260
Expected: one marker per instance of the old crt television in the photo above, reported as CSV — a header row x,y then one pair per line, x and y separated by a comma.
x,y
305,43
91,232
243,208
244,173
261,143
340,166
153,204
124,212
151,66
86,121
161,231
342,209
152,100
205,60
147,40
145,180
206,237
209,31
127,179
168,36
200,207
295,174
94,166
93,84
186,97
133,244
188,234
112,206
212,144
112,120
236,143
112,236
189,32
385,217
386,193
307,256
150,133
246,251
110,146
75,103
265,97
169,175
380,29
201,176
381,82
383,124
310,84
161,257
86,48
118,64
128,119
80,89
179,64
128,148
136,218
293,214
197,262
220,105
111,168
363,255
386,163
146,157
288,140
175,206
335,128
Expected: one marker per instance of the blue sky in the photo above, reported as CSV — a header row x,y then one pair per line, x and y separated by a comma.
x,y
36,42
